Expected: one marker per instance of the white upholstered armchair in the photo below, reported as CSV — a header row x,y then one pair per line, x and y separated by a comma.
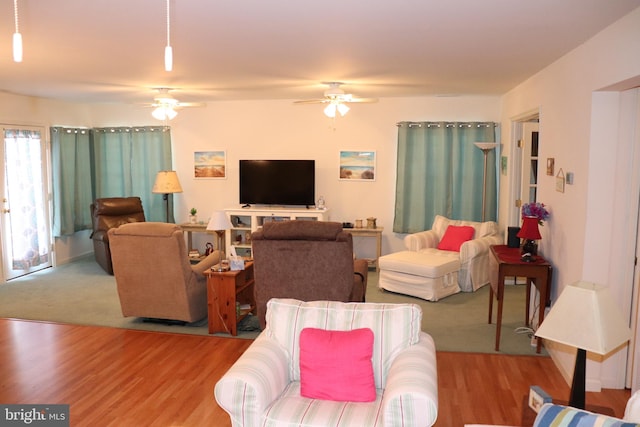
x,y
427,272
265,386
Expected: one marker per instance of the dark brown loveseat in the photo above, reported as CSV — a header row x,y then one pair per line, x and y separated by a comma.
x,y
109,213
308,261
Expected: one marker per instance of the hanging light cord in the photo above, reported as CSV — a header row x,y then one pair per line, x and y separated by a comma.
x,y
17,37
168,51
15,15
168,24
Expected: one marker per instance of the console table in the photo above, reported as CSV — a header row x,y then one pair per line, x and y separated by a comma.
x,y
189,228
506,262
370,232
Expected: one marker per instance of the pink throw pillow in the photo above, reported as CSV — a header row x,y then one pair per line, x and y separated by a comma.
x,y
455,236
336,365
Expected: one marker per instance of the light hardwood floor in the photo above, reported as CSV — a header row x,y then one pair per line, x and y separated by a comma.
x,y
119,377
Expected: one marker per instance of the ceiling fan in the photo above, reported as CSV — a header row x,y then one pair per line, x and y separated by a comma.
x,y
337,100
165,105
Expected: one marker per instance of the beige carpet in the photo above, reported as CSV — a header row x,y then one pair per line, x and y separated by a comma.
x,y
82,293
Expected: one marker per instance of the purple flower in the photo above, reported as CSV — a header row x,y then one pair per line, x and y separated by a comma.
x,y
536,210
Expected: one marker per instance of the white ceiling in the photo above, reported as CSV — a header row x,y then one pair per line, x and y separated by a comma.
x,y
112,50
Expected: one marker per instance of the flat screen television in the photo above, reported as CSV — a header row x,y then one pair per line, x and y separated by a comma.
x,y
277,182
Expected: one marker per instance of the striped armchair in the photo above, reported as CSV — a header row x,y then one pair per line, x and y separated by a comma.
x,y
263,387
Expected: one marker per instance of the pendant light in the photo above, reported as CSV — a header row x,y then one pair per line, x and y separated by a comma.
x,y
168,51
17,37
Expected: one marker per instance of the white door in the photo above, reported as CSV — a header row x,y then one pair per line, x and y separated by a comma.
x,y
26,238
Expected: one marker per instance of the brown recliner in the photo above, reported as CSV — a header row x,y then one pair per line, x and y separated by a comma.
x,y
109,213
154,277
308,261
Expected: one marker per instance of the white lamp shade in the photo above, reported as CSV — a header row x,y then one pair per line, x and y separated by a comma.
x,y
486,145
167,182
343,109
586,316
330,110
219,221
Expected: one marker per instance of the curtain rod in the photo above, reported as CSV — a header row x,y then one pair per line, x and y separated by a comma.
x,y
447,124
111,129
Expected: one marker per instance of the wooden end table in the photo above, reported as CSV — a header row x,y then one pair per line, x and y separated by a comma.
x,y
506,262
225,289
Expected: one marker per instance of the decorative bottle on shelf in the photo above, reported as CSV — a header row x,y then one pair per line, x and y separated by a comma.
x,y
321,204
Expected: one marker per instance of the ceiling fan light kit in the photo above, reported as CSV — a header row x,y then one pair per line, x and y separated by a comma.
x,y
330,110
337,100
164,112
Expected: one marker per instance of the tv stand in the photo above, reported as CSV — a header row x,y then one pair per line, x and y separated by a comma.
x,y
248,219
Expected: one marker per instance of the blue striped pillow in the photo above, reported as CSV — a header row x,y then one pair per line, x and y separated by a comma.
x,y
566,416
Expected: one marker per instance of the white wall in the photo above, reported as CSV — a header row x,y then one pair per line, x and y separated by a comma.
x,y
269,129
579,128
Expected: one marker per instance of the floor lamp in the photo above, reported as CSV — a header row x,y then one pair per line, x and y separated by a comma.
x,y
166,183
585,316
485,147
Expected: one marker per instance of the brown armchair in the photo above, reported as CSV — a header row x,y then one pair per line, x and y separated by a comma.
x,y
108,213
308,261
154,277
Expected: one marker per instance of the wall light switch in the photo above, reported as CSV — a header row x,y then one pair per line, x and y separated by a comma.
x,y
569,178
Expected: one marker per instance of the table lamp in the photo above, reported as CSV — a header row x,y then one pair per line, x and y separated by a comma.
x,y
530,233
219,223
585,316
166,183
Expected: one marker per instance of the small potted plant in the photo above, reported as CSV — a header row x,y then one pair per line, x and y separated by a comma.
x,y
193,215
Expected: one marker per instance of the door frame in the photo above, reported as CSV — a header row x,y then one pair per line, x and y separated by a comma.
x,y
46,175
517,157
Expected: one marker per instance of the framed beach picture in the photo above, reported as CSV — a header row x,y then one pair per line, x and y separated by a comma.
x,y
210,164
358,165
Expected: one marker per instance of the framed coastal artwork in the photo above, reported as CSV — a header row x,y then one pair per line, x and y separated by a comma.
x,y
358,165
210,164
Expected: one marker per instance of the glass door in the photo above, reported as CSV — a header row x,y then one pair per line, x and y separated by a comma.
x,y
530,163
26,238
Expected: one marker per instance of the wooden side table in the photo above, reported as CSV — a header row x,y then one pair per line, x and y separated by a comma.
x,y
506,262
225,290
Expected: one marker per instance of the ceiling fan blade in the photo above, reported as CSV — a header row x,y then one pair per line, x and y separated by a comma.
x,y
312,101
190,104
362,100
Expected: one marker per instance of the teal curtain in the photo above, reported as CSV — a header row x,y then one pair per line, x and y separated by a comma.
x,y
106,162
126,163
440,172
71,179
